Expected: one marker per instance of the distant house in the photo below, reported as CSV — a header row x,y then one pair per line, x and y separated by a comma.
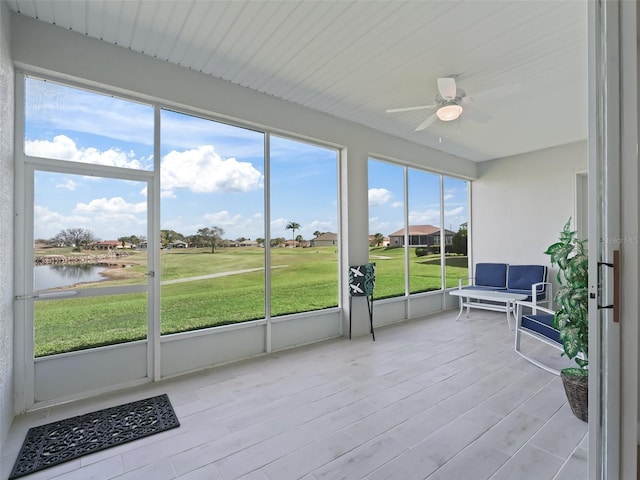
x,y
108,245
178,244
327,239
420,235
295,243
246,243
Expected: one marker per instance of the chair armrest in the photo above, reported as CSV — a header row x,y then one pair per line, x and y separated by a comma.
x,y
469,280
534,306
548,298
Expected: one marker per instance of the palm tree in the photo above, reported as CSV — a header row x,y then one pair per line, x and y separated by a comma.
x,y
378,239
317,233
293,226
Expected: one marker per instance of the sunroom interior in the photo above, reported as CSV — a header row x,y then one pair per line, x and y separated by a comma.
x,y
520,167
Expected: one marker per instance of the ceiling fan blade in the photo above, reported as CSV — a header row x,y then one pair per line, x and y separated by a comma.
x,y
427,123
477,115
492,93
447,88
409,109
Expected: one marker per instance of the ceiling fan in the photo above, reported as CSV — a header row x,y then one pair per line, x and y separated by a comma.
x,y
450,100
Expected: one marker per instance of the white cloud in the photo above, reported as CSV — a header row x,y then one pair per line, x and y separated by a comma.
x,y
112,205
202,170
278,225
397,205
47,223
68,185
324,226
425,217
64,148
454,212
222,219
379,196
449,196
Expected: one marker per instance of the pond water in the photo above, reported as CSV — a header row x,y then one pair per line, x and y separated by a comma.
x,y
55,276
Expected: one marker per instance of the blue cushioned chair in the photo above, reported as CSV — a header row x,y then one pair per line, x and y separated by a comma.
x,y
529,280
489,276
362,281
539,325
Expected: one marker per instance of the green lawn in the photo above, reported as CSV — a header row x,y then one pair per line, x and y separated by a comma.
x,y
302,280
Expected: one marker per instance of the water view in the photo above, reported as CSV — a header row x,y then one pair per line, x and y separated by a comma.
x,y
56,276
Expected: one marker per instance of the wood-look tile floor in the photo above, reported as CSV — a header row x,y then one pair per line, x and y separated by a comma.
x,y
429,399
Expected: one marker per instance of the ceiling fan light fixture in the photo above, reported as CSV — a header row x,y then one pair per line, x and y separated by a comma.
x,y
449,111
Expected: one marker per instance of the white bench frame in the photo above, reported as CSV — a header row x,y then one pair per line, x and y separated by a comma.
x,y
498,304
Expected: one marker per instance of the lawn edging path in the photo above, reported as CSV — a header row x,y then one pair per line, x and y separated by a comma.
x,y
216,275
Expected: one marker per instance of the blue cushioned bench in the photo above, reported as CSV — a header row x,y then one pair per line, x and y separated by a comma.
x,y
528,280
539,325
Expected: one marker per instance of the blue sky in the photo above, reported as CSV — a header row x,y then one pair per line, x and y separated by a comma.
x,y
212,174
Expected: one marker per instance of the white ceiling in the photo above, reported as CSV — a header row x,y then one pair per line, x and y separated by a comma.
x,y
356,59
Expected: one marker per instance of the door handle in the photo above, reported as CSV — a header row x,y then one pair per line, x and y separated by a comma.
x,y
615,306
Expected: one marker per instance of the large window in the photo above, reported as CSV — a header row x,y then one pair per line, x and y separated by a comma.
x,y
243,233
417,229
386,227
424,231
456,219
212,223
89,160
304,227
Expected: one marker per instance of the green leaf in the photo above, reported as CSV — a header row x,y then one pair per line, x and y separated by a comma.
x,y
569,254
575,372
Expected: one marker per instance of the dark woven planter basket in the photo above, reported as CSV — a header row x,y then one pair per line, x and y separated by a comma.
x,y
577,390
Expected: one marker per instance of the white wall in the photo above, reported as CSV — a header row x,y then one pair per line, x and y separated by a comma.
x,y
6,223
520,203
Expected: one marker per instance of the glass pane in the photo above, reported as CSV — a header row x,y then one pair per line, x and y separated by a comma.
x,y
212,225
67,123
386,227
88,231
425,249
71,324
304,227
456,217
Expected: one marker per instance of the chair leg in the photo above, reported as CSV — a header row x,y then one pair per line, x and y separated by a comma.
x,y
370,307
350,310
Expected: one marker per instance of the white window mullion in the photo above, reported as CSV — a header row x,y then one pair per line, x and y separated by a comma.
x,y
153,255
267,241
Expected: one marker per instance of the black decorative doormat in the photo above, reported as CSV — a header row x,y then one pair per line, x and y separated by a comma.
x,y
58,442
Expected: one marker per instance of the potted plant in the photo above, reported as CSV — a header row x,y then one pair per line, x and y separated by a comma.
x,y
571,317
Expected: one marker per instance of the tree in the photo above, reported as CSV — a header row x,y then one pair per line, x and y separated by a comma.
x,y
260,241
213,236
276,242
378,239
317,233
75,237
299,239
167,237
293,226
459,241
131,239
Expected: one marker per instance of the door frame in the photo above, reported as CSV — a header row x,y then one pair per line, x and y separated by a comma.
x,y
24,360
613,226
